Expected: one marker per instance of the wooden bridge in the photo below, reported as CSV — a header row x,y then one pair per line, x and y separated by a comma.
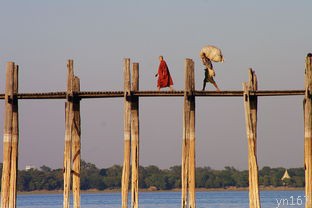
x,y
130,95
116,94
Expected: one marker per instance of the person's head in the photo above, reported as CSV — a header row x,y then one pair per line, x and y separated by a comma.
x,y
309,56
161,58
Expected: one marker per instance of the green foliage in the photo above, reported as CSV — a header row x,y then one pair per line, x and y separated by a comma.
x,y
272,177
39,180
151,176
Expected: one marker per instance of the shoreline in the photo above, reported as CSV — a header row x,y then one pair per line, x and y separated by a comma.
x,y
90,191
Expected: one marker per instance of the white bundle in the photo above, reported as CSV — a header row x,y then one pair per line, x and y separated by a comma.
x,y
211,52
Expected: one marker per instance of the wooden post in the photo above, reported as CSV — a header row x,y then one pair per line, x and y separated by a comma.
x,y
307,104
10,138
186,134
76,144
250,104
69,115
7,137
15,141
127,134
135,138
192,165
72,152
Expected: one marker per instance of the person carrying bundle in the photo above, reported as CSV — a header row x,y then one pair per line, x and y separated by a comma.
x,y
207,54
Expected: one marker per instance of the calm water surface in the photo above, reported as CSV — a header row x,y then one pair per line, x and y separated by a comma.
x,y
215,199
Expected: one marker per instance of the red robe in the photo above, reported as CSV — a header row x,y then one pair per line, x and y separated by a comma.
x,y
164,78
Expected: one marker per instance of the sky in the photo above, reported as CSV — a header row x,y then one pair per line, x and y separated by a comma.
x,y
271,37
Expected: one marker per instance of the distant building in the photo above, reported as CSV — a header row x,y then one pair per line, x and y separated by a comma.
x,y
29,167
286,178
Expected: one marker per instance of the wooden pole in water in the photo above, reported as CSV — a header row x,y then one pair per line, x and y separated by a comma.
x,y
186,135
192,165
127,135
250,104
76,144
7,136
15,140
308,132
135,137
68,134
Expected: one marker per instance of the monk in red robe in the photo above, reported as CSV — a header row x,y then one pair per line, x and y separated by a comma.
x,y
164,77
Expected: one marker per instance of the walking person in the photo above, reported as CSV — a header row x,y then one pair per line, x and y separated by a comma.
x,y
164,77
208,54
209,74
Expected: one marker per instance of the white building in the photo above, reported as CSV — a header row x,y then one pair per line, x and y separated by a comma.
x,y
29,167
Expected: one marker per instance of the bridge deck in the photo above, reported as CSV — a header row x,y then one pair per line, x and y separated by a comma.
x,y
112,94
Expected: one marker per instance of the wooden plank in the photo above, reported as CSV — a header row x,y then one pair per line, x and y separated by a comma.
x,y
186,136
192,165
15,141
68,135
76,144
127,135
7,136
250,104
135,138
308,132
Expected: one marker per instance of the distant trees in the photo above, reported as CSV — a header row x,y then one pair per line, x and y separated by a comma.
x,y
43,179
151,176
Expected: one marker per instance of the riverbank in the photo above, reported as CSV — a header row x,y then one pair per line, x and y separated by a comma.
x,y
269,188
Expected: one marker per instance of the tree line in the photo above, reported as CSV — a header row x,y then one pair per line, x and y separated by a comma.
x,y
92,177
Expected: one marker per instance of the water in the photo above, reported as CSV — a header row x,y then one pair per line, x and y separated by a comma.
x,y
215,199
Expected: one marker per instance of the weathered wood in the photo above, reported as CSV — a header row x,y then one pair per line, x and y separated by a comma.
x,y
15,141
127,135
192,165
131,124
69,115
186,136
250,104
135,138
7,136
76,144
308,132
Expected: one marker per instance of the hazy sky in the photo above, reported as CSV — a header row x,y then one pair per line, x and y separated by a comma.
x,y
272,37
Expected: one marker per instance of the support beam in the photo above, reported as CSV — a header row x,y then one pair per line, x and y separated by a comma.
x,y
69,116
76,143
7,137
192,165
188,175
127,135
307,105
135,138
250,104
15,141
10,138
